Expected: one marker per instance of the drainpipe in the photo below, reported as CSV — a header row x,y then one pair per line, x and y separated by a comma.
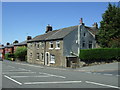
x,y
79,29
44,51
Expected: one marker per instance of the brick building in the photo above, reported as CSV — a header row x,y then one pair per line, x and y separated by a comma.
x,y
2,51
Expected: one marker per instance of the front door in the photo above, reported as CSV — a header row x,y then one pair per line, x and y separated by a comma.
x,y
47,57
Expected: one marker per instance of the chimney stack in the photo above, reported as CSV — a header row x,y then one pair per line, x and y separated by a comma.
x,y
48,28
95,25
81,21
29,37
16,41
7,43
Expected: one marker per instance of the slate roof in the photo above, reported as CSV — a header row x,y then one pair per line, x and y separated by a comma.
x,y
21,43
9,46
43,36
93,30
2,47
60,33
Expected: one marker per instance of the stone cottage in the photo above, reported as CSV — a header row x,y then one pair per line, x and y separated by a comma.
x,y
61,47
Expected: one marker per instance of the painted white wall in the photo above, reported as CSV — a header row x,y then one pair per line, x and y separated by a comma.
x,y
70,41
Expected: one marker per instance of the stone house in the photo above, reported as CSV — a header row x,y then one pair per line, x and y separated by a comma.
x,y
61,47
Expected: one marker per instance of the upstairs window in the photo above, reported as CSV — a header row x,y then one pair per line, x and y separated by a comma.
x,y
57,44
90,44
30,44
84,34
37,45
42,45
51,45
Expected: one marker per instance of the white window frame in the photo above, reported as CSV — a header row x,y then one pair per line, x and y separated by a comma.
x,y
51,43
57,42
38,45
42,45
52,59
38,55
31,44
90,42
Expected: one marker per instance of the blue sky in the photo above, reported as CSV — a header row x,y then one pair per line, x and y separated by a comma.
x,y
21,19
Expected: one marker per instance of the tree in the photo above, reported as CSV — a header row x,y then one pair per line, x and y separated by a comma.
x,y
109,31
21,53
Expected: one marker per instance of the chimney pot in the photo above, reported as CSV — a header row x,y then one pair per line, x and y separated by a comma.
x,y
29,37
48,28
7,43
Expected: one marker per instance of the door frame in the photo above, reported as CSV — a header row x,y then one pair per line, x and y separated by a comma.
x,y
47,58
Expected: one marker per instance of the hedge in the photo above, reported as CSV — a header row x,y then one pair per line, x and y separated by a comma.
x,y
101,54
21,53
9,56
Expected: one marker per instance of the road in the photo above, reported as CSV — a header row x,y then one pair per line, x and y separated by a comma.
x,y
24,75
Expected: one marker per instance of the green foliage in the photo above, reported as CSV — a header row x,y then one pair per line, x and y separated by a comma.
x,y
109,30
21,53
9,56
101,54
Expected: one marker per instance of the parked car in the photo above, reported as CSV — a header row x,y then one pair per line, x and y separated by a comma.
x,y
1,59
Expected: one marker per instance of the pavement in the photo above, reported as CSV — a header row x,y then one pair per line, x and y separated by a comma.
x,y
94,68
24,75
102,67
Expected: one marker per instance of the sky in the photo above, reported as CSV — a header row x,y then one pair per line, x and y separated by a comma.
x,y
22,19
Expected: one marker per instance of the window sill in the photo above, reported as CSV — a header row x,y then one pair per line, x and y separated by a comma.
x,y
37,59
57,48
51,48
52,62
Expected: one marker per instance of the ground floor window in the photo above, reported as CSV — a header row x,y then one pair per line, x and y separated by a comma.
x,y
38,56
90,44
42,56
52,58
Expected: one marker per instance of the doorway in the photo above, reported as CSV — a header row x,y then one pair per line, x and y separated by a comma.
x,y
47,58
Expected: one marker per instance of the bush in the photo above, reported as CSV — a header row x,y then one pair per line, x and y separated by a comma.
x,y
99,55
21,53
9,56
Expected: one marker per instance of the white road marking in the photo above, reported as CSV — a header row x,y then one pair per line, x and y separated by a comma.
x,y
27,76
16,72
24,69
52,75
94,73
13,80
102,84
11,66
108,74
88,72
98,73
52,82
